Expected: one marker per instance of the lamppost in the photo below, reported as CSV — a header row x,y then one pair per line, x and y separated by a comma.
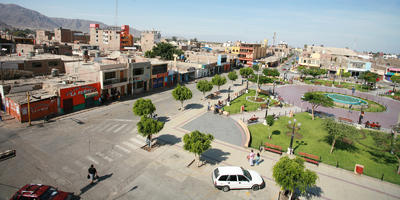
x,y
266,113
229,94
273,89
290,149
258,78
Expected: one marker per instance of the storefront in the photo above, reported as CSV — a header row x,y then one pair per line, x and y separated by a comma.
x,y
159,75
39,108
79,97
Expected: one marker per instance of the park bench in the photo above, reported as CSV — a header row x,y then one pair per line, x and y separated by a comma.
x,y
252,119
373,125
310,158
210,96
345,120
263,106
273,148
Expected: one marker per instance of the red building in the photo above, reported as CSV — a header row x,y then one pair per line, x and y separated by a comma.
x,y
73,97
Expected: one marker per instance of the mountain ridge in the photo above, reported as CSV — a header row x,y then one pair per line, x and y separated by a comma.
x,y
20,17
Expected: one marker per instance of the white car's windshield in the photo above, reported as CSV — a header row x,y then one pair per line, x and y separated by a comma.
x,y
247,174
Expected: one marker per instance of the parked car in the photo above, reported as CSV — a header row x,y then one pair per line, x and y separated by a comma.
x,y
41,192
231,177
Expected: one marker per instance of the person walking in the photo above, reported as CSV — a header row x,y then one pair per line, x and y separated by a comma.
x,y
251,158
92,173
257,159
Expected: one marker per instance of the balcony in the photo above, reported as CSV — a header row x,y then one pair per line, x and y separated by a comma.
x,y
114,80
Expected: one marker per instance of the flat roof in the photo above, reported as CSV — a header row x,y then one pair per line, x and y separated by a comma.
x,y
35,95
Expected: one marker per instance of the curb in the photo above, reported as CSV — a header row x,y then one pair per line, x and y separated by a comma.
x,y
246,131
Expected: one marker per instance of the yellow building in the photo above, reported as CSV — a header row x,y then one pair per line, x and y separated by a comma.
x,y
233,50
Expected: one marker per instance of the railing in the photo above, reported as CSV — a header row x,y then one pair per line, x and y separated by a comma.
x,y
112,81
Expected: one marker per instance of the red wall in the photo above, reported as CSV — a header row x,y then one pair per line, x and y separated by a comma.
x,y
77,93
38,109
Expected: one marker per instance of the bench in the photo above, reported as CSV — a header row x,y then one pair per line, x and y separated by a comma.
x,y
210,96
252,119
7,154
373,125
263,106
345,120
273,148
310,158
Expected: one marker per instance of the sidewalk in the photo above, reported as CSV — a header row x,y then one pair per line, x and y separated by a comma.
x,y
333,183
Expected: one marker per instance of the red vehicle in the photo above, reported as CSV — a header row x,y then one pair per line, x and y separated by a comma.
x,y
41,192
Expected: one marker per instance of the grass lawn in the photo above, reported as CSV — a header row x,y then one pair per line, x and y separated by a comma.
x,y
248,106
313,140
372,105
346,85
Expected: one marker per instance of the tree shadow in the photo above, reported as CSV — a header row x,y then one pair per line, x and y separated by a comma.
x,y
193,106
237,84
276,132
214,156
382,157
168,139
226,91
341,144
91,185
311,192
163,119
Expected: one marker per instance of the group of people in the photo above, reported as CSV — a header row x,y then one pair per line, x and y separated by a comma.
x,y
254,159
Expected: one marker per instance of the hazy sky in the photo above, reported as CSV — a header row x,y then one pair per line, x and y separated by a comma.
x,y
362,25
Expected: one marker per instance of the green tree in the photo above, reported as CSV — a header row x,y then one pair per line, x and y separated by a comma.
x,y
148,126
315,71
369,77
256,67
218,80
182,93
204,86
317,99
197,143
271,72
246,72
396,151
302,70
149,54
143,107
346,75
165,50
270,121
262,80
232,76
337,131
291,175
174,38
396,80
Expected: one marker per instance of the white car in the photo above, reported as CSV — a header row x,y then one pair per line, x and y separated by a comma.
x,y
230,177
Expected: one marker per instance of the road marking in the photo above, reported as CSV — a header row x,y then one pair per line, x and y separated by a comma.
x,y
129,128
119,128
122,148
104,156
101,126
112,127
115,154
133,139
121,120
134,130
130,145
92,159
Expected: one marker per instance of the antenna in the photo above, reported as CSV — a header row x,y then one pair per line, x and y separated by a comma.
x,y
274,39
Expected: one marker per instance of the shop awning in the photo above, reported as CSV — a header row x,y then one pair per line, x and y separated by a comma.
x,y
91,94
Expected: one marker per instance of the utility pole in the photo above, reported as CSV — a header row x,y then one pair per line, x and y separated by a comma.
x,y
29,109
2,74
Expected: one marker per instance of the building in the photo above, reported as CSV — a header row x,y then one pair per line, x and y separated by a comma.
x,y
43,36
139,80
355,67
36,65
251,52
149,39
111,38
159,74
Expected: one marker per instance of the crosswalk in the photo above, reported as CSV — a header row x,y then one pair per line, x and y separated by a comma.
x,y
113,126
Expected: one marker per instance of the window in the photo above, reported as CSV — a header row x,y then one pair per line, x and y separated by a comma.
x,y
36,64
247,174
53,63
216,173
158,69
109,75
138,71
232,178
139,84
242,178
223,178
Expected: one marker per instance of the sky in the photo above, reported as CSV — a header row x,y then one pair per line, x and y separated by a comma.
x,y
362,25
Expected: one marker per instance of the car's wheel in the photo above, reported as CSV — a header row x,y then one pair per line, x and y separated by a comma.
x,y
225,189
255,187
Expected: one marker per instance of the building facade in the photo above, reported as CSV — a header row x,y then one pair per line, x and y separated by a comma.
x,y
110,39
139,80
77,97
113,80
250,52
149,39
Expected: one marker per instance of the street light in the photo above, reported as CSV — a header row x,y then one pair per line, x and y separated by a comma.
x,y
290,149
273,89
229,94
266,113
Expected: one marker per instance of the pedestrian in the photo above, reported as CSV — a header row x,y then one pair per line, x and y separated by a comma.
x,y
350,106
208,106
257,159
92,173
100,101
251,158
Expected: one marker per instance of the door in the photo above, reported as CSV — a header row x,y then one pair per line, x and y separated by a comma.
x,y
68,105
243,182
232,182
